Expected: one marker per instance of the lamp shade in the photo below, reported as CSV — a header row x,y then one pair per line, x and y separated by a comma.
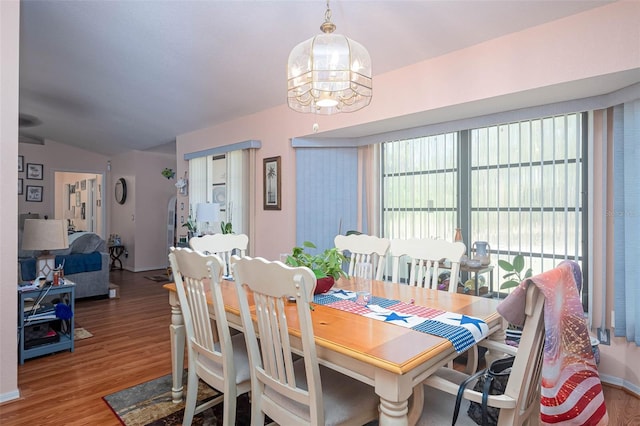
x,y
41,234
329,73
207,212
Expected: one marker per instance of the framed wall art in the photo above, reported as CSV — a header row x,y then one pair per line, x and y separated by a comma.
x,y
83,185
20,186
34,171
272,183
34,193
21,163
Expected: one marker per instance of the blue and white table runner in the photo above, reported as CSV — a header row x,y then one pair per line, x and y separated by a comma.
x,y
461,330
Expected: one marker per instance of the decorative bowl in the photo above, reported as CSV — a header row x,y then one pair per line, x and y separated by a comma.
x,y
474,263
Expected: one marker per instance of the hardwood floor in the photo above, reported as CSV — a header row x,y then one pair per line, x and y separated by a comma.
x,y
131,346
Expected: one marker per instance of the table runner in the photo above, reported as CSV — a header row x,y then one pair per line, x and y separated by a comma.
x,y
461,330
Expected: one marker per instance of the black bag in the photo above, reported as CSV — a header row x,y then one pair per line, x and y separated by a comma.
x,y
491,381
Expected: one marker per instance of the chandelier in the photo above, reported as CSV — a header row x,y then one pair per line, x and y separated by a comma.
x,y
329,73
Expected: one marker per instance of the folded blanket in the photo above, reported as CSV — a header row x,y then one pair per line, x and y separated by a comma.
x,y
571,392
73,264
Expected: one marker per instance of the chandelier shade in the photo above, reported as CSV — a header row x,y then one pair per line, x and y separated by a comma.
x,y
329,73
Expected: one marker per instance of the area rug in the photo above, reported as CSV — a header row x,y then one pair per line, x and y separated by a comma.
x,y
157,278
80,333
150,404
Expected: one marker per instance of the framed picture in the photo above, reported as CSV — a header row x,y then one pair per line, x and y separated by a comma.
x,y
34,193
20,186
34,171
21,163
83,185
78,200
272,183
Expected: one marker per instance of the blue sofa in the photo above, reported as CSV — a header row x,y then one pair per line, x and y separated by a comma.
x,y
86,263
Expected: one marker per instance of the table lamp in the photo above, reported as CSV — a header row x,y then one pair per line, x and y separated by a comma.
x,y
207,213
45,235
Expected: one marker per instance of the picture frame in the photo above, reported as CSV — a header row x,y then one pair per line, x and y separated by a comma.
x,y
20,186
272,183
34,193
35,171
83,185
78,199
21,163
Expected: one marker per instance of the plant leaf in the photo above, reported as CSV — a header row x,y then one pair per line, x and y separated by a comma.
x,y
509,284
505,265
518,263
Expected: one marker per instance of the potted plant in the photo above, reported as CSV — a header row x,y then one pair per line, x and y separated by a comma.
x,y
514,276
327,266
226,227
191,226
513,271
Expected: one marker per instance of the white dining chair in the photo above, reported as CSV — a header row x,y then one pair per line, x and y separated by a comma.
x,y
291,389
425,258
364,248
223,245
520,402
222,362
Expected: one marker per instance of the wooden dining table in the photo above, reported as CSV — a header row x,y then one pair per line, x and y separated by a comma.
x,y
391,358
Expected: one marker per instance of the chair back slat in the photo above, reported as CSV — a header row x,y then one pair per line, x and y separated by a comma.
x,y
222,245
270,284
364,248
423,255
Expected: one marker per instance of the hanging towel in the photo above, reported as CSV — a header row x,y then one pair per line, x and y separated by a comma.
x,y
571,392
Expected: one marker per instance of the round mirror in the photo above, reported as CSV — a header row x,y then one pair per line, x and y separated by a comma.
x,y
121,191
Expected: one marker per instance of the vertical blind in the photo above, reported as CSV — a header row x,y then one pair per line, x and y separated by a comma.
x,y
518,186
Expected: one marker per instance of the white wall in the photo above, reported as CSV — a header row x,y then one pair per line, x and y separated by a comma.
x,y
9,42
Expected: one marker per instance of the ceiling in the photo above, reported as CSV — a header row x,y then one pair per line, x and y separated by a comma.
x,y
112,76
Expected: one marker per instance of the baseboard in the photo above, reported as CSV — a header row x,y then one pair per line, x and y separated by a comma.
x,y
10,396
623,384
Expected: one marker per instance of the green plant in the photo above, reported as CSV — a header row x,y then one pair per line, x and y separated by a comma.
x,y
190,224
226,227
325,264
513,271
168,173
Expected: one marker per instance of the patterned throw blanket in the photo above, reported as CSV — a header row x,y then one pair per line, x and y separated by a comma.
x,y
571,392
461,330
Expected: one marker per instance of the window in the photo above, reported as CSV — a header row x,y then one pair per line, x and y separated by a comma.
x,y
222,179
518,186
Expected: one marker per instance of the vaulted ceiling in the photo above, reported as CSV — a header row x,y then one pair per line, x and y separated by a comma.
x,y
112,76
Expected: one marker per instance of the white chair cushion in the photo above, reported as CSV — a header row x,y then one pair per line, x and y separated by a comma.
x,y
240,359
344,398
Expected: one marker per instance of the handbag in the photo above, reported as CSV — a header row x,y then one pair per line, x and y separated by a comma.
x,y
490,381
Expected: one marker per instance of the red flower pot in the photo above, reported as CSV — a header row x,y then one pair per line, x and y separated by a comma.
x,y
323,285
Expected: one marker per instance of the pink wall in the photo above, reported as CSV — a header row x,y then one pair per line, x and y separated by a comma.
x,y
570,57
142,220
9,49
54,157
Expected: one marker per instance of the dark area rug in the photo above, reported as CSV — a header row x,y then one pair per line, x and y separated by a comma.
x,y
150,404
158,278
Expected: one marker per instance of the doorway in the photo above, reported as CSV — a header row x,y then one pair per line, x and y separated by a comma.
x,y
78,200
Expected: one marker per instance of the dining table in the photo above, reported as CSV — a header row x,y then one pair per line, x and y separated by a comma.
x,y
392,359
